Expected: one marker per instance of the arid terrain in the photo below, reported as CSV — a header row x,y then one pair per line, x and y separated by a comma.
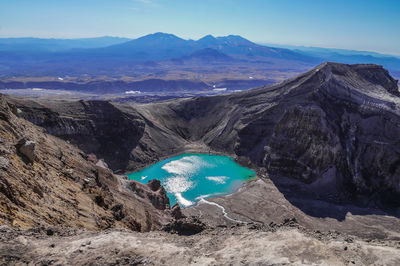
x,y
281,244
325,146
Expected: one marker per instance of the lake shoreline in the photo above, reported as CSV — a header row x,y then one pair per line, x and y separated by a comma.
x,y
190,177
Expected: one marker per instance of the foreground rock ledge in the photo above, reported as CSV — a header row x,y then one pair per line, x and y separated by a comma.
x,y
238,245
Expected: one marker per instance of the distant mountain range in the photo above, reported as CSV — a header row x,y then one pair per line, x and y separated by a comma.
x,y
155,46
162,46
56,45
162,52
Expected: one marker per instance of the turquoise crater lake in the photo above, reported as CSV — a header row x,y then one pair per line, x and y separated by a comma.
x,y
188,178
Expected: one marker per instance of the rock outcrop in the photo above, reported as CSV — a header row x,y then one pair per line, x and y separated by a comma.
x,y
27,149
186,226
153,192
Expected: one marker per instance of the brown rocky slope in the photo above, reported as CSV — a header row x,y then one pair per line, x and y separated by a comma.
x,y
47,181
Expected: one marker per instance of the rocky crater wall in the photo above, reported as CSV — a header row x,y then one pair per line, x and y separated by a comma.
x,y
336,122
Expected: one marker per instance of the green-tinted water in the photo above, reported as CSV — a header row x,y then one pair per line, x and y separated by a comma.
x,y
190,177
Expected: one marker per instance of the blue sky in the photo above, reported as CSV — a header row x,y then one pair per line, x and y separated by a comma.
x,y
372,25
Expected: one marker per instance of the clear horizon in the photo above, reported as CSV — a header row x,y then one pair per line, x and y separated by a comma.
x,y
354,25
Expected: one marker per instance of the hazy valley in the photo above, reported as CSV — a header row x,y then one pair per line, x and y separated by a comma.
x,y
158,64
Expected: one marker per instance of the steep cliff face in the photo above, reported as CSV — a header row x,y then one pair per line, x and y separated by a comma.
x,y
46,181
336,126
95,127
338,123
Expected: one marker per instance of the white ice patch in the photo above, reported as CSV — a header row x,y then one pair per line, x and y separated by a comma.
x,y
184,202
220,89
143,177
218,179
185,166
178,184
133,92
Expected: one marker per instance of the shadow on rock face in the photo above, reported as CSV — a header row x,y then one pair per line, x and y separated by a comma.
x,y
327,202
186,226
